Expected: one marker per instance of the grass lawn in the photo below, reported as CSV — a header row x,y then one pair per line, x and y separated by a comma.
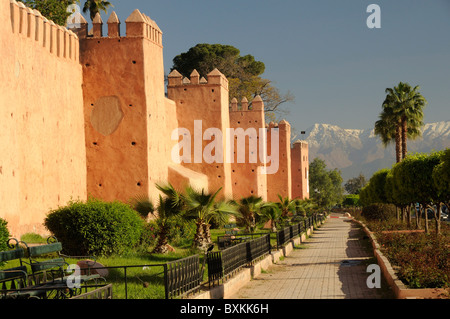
x,y
144,271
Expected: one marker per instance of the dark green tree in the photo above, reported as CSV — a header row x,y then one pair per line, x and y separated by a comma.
x,y
55,10
243,73
354,185
441,178
326,186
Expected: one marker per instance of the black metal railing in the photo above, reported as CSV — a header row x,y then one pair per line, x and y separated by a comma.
x,y
155,281
183,276
223,263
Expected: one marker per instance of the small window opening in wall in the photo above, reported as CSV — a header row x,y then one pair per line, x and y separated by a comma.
x,y
87,65
185,89
219,176
100,185
252,192
98,41
253,170
139,184
133,143
130,105
134,62
95,143
212,90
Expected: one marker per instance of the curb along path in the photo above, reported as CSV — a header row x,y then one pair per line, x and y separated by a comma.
x,y
331,264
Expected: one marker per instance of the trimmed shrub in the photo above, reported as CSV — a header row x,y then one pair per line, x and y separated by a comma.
x,y
379,212
95,227
4,235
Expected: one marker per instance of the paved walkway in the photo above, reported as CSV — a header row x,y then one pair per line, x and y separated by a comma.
x,y
331,264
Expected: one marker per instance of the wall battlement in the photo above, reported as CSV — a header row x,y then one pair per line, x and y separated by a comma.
x,y
30,24
215,77
111,134
138,25
256,105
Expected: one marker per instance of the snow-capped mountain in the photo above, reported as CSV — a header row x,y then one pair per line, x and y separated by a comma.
x,y
360,151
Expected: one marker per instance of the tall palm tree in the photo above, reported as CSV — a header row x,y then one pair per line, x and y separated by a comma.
x,y
94,6
402,117
203,207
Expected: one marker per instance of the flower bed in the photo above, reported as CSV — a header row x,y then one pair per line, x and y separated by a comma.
x,y
420,261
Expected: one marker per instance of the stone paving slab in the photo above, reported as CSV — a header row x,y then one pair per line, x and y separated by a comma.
x,y
331,264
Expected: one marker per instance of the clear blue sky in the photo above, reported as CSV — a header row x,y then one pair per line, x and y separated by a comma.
x,y
321,50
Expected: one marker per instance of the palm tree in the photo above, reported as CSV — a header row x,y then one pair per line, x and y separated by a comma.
x,y
401,118
169,207
270,212
143,205
287,207
94,6
249,207
203,207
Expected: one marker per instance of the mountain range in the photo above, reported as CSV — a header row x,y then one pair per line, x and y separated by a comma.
x,y
355,151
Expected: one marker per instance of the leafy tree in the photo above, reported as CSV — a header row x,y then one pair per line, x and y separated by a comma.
x,y
441,178
413,179
351,200
354,185
326,185
401,118
55,10
243,73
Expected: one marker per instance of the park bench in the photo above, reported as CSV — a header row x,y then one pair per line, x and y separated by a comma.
x,y
231,237
49,267
44,275
14,281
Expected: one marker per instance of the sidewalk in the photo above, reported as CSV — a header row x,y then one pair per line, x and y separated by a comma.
x,y
331,264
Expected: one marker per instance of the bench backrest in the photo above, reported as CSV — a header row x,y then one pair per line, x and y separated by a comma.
x,y
8,275
39,250
17,253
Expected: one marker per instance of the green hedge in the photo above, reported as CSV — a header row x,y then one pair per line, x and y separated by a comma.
x,y
4,235
95,227
380,212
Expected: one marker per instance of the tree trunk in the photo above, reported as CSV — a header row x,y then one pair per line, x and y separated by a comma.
x,y
404,137
199,238
417,218
398,143
161,245
424,209
437,217
408,213
207,233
